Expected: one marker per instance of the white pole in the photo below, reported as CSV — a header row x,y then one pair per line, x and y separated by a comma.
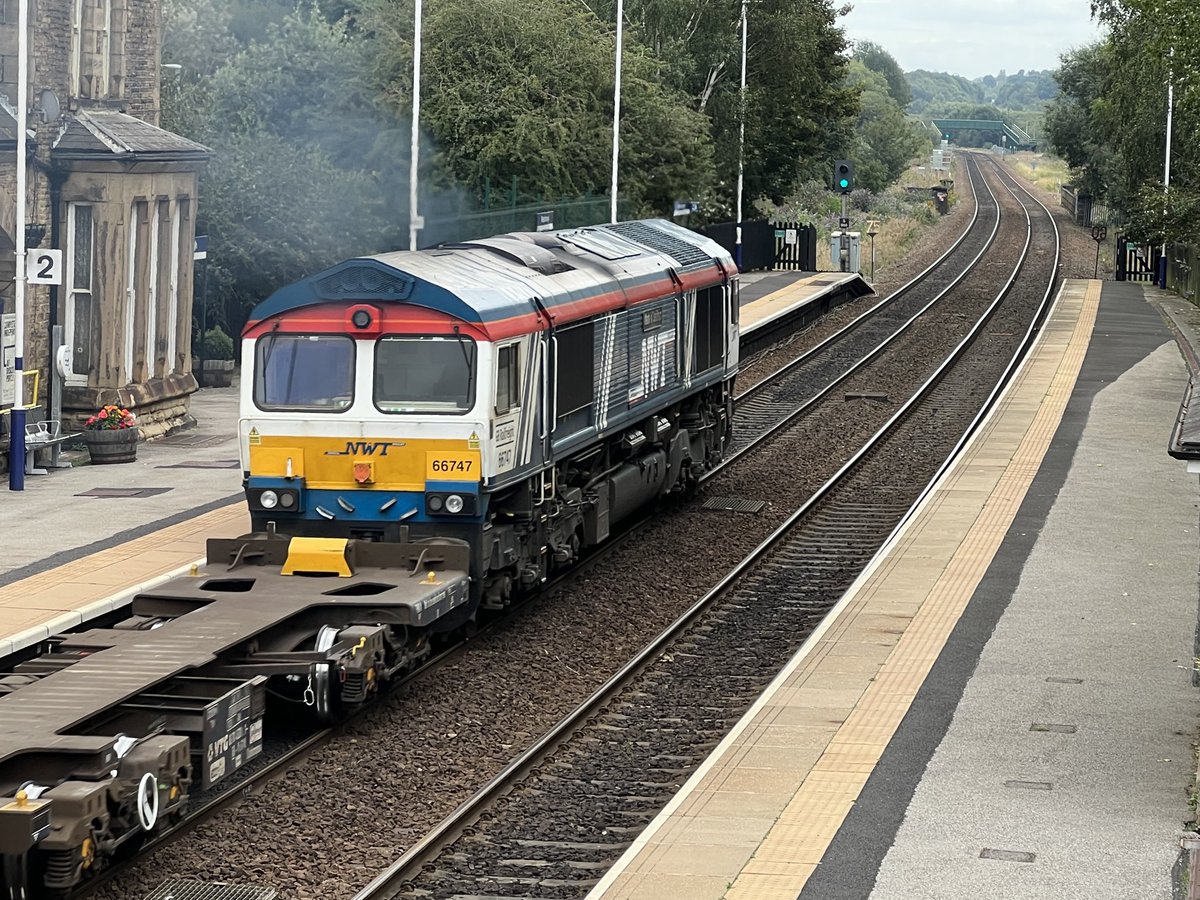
x,y
414,221
741,145
617,111
16,461
1167,168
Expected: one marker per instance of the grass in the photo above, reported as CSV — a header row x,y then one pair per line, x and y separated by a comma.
x,y
1046,171
896,237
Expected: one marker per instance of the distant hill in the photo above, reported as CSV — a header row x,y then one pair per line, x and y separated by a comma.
x,y
934,93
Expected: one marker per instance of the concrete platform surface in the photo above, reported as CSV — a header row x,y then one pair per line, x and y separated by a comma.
x,y
65,557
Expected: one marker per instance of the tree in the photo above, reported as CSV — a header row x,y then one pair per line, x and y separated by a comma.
x,y
879,60
886,141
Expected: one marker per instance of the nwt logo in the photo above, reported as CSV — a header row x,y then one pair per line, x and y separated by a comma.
x,y
365,448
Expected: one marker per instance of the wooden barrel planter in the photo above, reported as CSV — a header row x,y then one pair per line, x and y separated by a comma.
x,y
116,445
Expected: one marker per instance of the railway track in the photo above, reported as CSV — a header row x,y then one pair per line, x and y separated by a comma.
x,y
560,815
404,719
810,376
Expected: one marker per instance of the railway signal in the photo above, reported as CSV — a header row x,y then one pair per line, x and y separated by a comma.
x,y
843,175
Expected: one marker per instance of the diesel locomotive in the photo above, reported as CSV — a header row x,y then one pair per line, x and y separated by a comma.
x,y
522,393
422,435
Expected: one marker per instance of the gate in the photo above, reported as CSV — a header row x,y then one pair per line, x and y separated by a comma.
x,y
795,247
1136,262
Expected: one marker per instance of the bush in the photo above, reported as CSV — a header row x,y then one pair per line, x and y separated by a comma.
x,y
217,345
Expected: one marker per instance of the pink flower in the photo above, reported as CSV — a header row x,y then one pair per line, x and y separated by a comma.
x,y
103,414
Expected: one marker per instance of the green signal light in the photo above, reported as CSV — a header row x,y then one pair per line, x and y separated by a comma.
x,y
844,183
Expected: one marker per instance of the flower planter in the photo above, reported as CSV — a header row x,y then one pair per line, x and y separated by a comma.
x,y
115,445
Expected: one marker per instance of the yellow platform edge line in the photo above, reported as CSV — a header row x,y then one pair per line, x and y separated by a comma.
x,y
1079,308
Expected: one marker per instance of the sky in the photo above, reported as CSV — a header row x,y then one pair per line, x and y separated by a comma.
x,y
973,37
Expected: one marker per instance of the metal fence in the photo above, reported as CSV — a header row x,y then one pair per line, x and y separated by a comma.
x,y
1083,209
1183,271
470,225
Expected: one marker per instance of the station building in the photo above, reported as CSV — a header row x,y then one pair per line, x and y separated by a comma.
x,y
116,193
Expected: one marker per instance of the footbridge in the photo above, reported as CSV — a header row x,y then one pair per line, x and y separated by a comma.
x,y
1012,135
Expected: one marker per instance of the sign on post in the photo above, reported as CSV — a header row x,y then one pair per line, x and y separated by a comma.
x,y
1099,233
44,267
8,359
200,251
685,208
545,220
791,236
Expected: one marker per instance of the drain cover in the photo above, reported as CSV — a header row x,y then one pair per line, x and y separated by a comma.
x,y
203,464
116,493
1021,856
194,440
198,890
734,504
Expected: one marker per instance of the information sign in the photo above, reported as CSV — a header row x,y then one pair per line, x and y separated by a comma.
x,y
44,267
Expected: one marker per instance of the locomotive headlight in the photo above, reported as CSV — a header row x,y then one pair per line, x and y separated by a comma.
x,y
435,503
361,318
454,504
268,499
287,499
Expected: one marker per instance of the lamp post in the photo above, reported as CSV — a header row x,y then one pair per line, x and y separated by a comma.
x,y
1162,260
415,223
737,251
616,129
16,459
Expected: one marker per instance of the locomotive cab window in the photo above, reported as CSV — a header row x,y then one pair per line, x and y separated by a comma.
x,y
304,371
425,373
508,381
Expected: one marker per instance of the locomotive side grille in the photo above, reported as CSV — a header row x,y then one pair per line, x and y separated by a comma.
x,y
679,250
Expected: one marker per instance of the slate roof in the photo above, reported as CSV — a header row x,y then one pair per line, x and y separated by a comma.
x,y
8,123
102,131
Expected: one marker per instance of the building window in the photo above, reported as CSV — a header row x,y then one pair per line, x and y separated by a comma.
x,y
172,364
152,294
95,70
135,282
80,311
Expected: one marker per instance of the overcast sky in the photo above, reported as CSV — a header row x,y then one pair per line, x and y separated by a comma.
x,y
973,37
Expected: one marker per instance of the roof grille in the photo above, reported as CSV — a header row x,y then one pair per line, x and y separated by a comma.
x,y
679,250
364,281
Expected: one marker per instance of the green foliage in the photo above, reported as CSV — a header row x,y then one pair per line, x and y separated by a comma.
x,y
879,60
1110,121
305,105
886,140
217,344
935,92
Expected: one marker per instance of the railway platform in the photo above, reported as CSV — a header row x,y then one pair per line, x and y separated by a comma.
x,y
1002,704
773,303
79,542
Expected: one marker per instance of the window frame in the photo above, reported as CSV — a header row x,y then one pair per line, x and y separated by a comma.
x,y
276,335
73,280
514,385
472,375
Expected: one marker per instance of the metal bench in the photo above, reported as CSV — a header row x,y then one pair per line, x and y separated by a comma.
x,y
41,436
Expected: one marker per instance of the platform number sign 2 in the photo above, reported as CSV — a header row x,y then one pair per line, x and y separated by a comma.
x,y
44,267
